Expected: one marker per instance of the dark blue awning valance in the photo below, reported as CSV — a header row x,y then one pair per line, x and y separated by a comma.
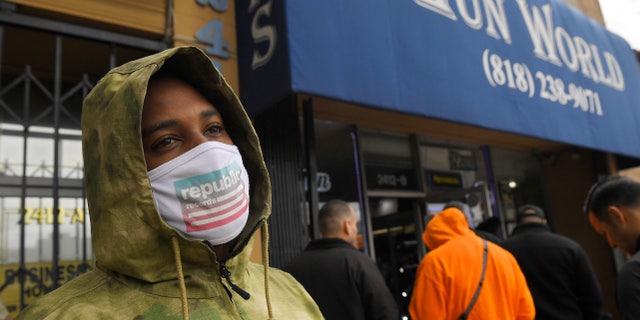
x,y
534,67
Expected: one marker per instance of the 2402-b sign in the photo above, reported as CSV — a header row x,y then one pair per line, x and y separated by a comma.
x,y
385,178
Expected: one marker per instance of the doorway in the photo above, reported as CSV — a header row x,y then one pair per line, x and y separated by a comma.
x,y
477,205
397,225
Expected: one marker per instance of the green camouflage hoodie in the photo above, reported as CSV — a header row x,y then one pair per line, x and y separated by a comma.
x,y
137,274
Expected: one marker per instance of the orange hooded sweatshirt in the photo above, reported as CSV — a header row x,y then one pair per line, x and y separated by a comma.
x,y
448,276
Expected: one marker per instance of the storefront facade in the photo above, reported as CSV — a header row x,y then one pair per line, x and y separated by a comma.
x,y
395,153
406,106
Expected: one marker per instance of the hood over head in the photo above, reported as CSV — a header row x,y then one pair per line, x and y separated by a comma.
x,y
446,225
128,234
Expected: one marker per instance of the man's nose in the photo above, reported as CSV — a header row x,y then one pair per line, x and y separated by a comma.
x,y
195,139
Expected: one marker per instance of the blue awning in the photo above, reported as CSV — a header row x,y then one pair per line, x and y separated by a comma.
x,y
536,68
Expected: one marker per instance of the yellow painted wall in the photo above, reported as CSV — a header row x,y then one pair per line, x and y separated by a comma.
x,y
143,15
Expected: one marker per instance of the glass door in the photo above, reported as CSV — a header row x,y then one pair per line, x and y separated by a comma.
x,y
477,204
396,225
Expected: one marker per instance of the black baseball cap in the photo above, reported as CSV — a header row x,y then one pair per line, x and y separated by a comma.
x,y
529,210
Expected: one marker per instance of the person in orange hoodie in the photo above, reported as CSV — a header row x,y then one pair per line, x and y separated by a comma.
x,y
466,277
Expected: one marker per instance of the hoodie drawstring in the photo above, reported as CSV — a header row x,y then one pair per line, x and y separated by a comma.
x,y
183,287
265,263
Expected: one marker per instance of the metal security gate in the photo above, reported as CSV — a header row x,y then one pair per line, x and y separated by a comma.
x,y
42,109
46,69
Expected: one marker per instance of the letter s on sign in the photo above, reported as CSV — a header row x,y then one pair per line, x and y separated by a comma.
x,y
261,34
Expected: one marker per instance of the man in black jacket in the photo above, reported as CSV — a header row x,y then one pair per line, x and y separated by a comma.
x,y
557,269
344,282
613,208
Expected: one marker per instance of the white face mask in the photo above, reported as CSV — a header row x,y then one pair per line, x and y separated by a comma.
x,y
204,193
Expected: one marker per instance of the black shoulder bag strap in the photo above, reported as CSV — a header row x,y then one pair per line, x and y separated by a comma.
x,y
475,295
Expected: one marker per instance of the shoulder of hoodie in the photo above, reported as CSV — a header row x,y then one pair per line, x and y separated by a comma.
x,y
454,244
276,276
57,303
283,286
459,245
497,250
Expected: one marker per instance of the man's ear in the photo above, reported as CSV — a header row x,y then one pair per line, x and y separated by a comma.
x,y
616,215
345,227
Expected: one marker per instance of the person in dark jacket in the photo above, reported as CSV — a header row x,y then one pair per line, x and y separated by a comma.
x,y
344,282
613,208
557,269
490,229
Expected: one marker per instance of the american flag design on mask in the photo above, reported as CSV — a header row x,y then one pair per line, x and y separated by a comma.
x,y
212,200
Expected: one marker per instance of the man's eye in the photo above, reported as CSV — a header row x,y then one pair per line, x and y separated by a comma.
x,y
215,129
164,142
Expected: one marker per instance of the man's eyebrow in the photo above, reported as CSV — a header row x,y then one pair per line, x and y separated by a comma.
x,y
158,126
209,113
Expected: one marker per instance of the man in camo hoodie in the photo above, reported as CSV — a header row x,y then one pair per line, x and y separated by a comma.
x,y
177,188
